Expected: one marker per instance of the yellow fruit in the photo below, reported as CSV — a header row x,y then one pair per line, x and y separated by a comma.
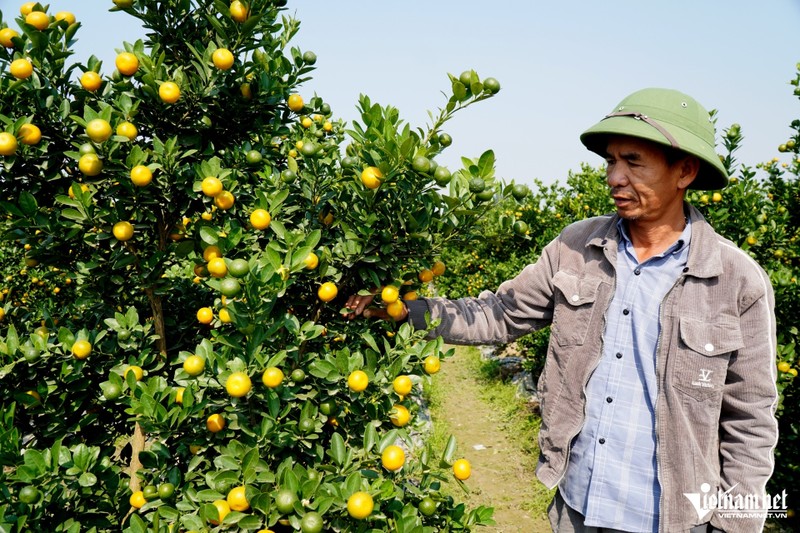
x,y
217,267
311,261
35,395
215,423
205,315
438,268
211,186
91,81
90,164
211,252
6,34
137,372
21,68
141,175
716,197
225,316
357,380
238,384
98,130
123,230
246,90
432,364
462,469
26,8
65,16
272,377
783,366
237,500
327,291
371,177
38,20
127,129
84,188
360,505
396,309
390,294
194,365
224,200
260,219
81,349
327,126
179,394
402,385
8,144
426,275
410,295
295,102
306,122
127,63
222,58
393,458
169,92
238,11
137,500
223,510
399,416
30,134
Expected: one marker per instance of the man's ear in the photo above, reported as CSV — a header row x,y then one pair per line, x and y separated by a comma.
x,y
689,167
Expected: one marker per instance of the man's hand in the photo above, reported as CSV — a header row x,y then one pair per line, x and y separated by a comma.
x,y
358,304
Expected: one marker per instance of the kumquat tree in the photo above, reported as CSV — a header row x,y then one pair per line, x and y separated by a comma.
x,y
180,233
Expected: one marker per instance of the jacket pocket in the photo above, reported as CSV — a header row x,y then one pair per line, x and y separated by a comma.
x,y
573,307
701,359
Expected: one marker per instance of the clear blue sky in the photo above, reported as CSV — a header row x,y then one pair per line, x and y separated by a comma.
x,y
562,65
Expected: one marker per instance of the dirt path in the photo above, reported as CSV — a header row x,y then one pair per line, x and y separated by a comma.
x,y
499,478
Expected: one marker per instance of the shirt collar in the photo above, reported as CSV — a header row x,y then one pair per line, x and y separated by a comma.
x,y
677,247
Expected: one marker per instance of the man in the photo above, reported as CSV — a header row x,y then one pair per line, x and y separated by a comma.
x,y
659,383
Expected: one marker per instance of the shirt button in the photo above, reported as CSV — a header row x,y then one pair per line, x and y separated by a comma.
x,y
619,355
626,312
637,271
709,347
575,297
609,399
602,441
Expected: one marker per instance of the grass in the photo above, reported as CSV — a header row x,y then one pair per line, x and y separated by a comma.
x,y
512,414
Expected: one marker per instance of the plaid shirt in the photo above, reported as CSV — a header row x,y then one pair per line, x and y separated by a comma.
x,y
612,477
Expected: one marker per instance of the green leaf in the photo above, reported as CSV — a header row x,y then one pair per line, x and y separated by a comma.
x,y
370,437
87,479
27,203
35,460
449,451
12,340
337,450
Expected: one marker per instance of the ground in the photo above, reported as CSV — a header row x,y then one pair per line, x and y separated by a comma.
x,y
502,472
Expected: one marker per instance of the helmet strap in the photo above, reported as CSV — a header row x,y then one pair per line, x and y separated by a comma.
x,y
645,118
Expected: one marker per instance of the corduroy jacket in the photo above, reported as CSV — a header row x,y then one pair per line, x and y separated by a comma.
x,y
715,410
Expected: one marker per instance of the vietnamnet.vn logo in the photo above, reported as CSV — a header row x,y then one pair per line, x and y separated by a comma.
x,y
729,505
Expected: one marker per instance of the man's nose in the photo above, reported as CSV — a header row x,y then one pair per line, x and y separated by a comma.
x,y
615,176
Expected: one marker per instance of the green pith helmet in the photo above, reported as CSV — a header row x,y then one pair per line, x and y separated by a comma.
x,y
666,117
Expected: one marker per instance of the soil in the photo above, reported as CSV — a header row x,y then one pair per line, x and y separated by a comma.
x,y
502,476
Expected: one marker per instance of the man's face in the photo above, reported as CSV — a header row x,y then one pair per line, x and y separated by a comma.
x,y
643,184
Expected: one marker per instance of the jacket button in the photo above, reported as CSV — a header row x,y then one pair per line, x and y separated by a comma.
x,y
575,297
602,441
609,399
626,312
637,271
709,347
619,355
